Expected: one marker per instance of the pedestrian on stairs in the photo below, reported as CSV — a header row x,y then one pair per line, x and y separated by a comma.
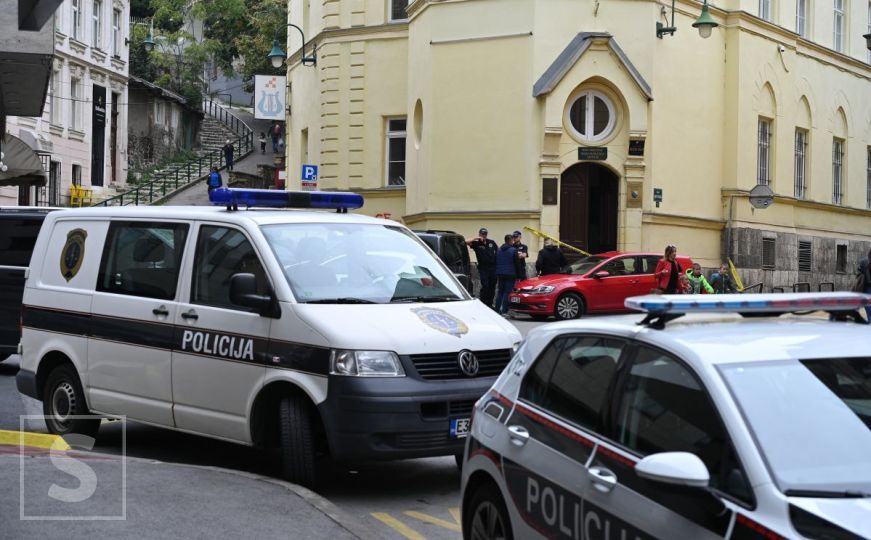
x,y
228,154
275,133
214,179
262,141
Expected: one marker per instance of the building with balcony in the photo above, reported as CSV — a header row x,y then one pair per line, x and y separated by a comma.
x,y
575,118
81,133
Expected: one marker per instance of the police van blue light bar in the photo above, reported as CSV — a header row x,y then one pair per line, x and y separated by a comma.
x,y
746,303
273,198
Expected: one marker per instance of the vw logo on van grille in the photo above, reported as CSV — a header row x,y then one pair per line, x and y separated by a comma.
x,y
468,363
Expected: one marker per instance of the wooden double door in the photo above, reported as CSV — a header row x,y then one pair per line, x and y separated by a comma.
x,y
588,207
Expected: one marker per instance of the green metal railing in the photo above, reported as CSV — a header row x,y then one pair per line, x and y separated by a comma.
x,y
194,170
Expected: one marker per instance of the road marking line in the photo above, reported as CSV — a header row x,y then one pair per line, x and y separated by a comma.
x,y
455,513
434,520
38,440
398,526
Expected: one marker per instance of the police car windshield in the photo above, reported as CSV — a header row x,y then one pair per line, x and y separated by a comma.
x,y
330,262
811,420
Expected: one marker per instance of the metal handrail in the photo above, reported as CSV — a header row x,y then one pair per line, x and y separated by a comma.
x,y
827,285
147,193
749,289
801,286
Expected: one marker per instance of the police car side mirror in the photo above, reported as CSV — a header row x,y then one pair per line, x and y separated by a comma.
x,y
676,468
243,292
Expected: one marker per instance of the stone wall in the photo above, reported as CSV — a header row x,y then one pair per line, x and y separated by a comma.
x,y
747,257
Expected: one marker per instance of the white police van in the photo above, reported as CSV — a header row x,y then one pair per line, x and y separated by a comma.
x,y
316,332
710,426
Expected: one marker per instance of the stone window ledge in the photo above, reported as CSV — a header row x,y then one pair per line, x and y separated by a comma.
x,y
77,45
76,135
56,129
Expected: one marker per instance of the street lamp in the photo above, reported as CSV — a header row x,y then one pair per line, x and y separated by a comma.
x,y
705,23
148,42
277,56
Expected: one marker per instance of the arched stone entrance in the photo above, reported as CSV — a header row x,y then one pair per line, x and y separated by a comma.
x,y
588,207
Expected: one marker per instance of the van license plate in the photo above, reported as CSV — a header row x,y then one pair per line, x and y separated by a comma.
x,y
460,427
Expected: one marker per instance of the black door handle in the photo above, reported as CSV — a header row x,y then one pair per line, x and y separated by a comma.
x,y
190,315
160,311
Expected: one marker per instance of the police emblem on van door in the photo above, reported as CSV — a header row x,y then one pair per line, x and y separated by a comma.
x,y
441,320
73,253
468,363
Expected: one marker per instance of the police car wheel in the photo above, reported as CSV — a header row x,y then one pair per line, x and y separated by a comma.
x,y
488,516
297,444
63,399
569,306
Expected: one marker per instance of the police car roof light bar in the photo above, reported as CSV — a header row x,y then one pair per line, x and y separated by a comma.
x,y
232,198
663,308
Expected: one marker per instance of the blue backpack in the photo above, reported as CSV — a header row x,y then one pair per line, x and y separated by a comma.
x,y
215,179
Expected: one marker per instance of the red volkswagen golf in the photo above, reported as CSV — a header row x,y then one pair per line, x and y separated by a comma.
x,y
596,284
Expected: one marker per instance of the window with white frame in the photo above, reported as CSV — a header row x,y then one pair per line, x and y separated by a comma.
x,y
838,37
763,165
800,163
75,104
868,181
76,19
591,116
56,115
837,171
869,30
765,9
97,24
397,10
801,17
396,151
116,32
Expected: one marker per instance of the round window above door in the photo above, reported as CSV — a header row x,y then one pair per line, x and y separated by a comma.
x,y
590,116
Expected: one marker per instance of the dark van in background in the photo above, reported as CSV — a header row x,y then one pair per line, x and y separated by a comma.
x,y
19,227
451,249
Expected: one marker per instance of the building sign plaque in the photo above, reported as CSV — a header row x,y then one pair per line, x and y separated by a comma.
x,y
596,153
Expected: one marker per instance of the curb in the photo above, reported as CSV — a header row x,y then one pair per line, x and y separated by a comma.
x,y
34,440
353,525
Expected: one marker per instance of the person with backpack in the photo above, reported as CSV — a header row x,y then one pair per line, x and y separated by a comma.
x,y
228,154
722,282
214,179
485,251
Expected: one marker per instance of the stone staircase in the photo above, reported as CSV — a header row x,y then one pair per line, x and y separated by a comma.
x,y
218,125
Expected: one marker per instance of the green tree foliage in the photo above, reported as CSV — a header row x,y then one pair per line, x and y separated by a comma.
x,y
191,35
266,20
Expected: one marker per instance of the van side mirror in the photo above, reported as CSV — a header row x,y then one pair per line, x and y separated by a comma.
x,y
243,292
465,281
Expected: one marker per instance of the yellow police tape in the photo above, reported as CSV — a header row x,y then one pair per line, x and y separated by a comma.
x,y
36,440
735,276
540,234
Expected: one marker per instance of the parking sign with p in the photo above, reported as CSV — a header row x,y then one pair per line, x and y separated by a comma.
x,y
309,176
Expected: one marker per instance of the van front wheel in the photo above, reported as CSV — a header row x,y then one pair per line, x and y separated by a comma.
x,y
63,401
297,445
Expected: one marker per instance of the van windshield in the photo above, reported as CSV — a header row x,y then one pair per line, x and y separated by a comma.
x,y
359,263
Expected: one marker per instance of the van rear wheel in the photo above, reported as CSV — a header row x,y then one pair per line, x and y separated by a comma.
x,y
297,444
62,400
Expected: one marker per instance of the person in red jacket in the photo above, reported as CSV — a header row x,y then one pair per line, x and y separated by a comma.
x,y
669,274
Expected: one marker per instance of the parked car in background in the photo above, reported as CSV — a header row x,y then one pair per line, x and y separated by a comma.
x,y
19,227
596,284
451,249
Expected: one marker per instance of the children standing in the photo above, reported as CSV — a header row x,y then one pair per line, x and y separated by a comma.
x,y
262,140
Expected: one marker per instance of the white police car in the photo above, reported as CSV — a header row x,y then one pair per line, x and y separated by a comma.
x,y
709,426
315,332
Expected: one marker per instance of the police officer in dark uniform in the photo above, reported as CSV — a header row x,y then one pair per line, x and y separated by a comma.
x,y
522,254
485,251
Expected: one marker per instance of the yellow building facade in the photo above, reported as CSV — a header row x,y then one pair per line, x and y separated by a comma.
x,y
573,117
